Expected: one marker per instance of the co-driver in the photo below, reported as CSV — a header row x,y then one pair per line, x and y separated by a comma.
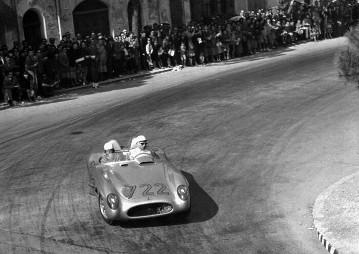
x,y
109,154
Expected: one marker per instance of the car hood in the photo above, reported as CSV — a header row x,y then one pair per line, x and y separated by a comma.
x,y
130,175
137,175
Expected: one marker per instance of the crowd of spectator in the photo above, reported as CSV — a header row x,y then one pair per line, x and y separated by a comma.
x,y
29,71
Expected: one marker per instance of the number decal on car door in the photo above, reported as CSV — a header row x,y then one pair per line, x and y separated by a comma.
x,y
162,189
147,191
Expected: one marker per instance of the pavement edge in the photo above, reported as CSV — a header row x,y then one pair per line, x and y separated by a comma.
x,y
330,246
4,106
326,243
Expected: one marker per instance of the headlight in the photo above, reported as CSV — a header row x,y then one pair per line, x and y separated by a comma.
x,y
182,192
112,201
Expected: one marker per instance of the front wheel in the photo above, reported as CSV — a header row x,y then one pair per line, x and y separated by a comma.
x,y
102,207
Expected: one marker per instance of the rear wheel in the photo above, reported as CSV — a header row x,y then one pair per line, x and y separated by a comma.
x,y
102,206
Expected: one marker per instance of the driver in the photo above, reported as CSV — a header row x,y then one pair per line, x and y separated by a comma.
x,y
109,154
140,147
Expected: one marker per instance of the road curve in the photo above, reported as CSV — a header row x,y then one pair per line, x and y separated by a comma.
x,y
259,138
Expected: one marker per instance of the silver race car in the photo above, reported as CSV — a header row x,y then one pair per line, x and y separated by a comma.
x,y
145,187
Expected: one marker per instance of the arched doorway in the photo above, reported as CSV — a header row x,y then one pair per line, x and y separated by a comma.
x,y
32,28
134,16
176,8
91,16
2,33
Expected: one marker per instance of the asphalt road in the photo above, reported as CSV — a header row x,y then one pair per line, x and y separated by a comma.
x,y
259,138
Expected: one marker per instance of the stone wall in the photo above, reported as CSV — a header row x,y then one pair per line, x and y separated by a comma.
x,y
8,24
55,22
46,11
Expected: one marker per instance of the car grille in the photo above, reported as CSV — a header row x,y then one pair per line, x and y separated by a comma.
x,y
150,209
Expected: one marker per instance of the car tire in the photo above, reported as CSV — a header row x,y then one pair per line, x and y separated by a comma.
x,y
102,208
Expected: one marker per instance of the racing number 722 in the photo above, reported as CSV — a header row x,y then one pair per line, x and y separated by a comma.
x,y
160,191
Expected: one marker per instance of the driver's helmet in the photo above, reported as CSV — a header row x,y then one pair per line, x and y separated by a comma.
x,y
108,146
134,141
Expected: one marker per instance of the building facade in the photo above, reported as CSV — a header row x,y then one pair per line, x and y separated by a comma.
x,y
32,20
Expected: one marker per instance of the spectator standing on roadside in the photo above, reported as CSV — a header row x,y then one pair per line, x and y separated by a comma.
x,y
233,41
31,65
116,56
73,55
183,54
149,52
102,54
142,44
131,62
208,56
225,42
213,41
64,68
40,69
136,53
172,50
157,54
9,85
306,24
110,57
9,64
16,57
25,85
190,33
246,36
272,33
85,64
22,60
123,54
219,44
93,62
165,48
199,46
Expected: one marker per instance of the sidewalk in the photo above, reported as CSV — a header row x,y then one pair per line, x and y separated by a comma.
x,y
123,78
336,216
102,83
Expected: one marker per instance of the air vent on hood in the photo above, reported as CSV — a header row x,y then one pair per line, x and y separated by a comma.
x,y
146,162
144,159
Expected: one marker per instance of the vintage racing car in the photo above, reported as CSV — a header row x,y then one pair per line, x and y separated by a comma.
x,y
147,186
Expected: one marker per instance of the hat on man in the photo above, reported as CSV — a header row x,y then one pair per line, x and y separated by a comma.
x,y
108,146
141,138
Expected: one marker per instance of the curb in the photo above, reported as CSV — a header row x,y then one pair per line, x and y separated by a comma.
x,y
110,81
330,246
326,244
106,82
